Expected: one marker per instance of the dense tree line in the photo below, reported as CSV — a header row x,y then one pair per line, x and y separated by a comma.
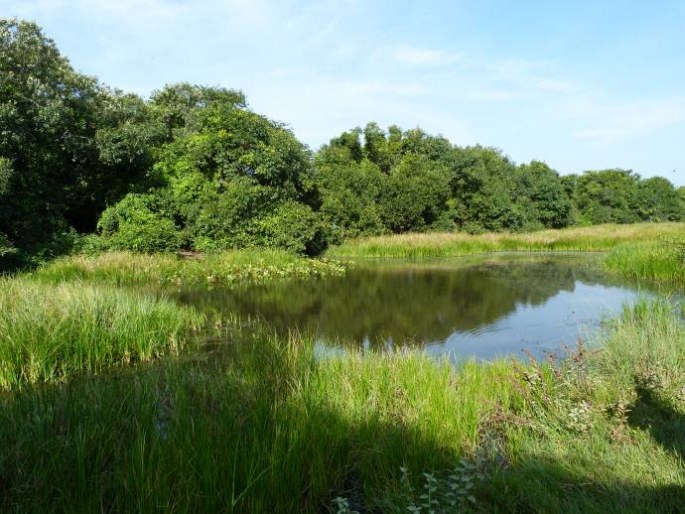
x,y
194,167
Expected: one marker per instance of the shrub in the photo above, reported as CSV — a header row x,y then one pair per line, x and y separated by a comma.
x,y
293,227
133,225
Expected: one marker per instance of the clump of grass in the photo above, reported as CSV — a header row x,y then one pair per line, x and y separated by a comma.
x,y
647,340
169,269
50,332
661,261
596,238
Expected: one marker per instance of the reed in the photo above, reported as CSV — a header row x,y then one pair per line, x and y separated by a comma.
x,y
595,238
654,261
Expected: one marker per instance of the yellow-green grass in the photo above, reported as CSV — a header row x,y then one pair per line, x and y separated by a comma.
x,y
595,238
271,428
49,332
170,269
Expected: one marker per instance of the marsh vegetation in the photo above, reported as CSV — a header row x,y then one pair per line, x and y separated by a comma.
x,y
141,237
120,385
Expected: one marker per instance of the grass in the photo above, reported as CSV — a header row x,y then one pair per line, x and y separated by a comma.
x,y
596,238
266,427
655,261
48,333
223,268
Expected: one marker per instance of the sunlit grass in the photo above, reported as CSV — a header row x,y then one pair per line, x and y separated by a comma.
x,y
655,261
218,268
596,238
47,332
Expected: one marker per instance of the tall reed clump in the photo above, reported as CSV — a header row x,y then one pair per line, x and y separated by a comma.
x,y
647,343
596,238
48,332
168,269
662,261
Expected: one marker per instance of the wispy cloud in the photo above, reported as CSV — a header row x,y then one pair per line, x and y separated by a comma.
x,y
422,57
609,124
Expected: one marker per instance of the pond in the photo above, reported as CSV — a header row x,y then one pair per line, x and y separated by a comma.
x,y
481,307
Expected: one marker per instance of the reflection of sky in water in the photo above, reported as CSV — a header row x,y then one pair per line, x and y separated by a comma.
x,y
559,322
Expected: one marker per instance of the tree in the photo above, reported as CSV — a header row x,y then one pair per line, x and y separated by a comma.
x,y
229,177
413,195
659,200
70,146
483,182
607,196
541,197
45,118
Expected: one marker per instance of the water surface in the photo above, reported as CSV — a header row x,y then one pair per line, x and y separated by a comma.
x,y
476,307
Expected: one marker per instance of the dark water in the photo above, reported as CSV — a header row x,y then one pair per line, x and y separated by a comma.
x,y
483,307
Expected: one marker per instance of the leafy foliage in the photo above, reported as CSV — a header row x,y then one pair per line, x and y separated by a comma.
x,y
135,224
193,167
608,196
69,145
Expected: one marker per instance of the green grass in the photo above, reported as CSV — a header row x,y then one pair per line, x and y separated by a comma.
x,y
223,268
260,424
49,332
266,427
596,238
655,261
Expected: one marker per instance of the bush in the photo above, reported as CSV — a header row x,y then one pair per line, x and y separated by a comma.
x,y
133,224
293,227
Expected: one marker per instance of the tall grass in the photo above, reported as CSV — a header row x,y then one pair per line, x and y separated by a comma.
x,y
596,238
655,261
269,428
50,332
220,268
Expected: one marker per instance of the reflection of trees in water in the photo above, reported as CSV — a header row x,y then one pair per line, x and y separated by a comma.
x,y
404,304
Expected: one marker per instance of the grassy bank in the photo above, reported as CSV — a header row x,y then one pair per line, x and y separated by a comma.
x,y
596,238
662,261
48,333
268,428
169,269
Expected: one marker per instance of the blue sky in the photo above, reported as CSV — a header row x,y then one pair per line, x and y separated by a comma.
x,y
580,85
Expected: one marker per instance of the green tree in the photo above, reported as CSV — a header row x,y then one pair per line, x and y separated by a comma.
x,y
483,183
659,200
541,197
228,175
413,195
71,145
607,196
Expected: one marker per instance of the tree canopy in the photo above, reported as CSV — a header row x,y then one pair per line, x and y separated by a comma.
x,y
194,167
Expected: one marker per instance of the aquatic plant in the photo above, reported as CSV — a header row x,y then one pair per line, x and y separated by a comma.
x,y
223,268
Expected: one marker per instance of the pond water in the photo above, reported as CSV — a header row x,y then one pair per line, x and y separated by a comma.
x,y
477,307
